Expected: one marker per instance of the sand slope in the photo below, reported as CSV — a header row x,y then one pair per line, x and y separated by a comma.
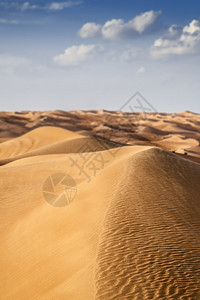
x,y
149,248
131,232
36,139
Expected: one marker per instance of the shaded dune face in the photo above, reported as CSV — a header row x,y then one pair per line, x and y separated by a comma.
x,y
131,232
150,243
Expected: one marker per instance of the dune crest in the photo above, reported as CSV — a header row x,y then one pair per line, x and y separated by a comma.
x,y
149,246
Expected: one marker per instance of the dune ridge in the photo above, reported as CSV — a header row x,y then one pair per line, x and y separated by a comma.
x,y
131,232
149,246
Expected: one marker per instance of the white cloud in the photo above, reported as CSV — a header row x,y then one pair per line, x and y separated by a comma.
x,y
142,22
141,70
56,6
76,55
113,29
118,29
178,42
174,32
52,6
28,6
90,30
4,21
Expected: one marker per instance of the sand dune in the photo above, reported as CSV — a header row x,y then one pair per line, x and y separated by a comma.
x,y
35,139
59,141
177,143
170,131
149,248
128,229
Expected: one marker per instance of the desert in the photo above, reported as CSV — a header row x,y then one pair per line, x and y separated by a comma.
x,y
99,150
100,205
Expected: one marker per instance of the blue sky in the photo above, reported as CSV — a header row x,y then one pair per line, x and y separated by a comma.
x,y
95,54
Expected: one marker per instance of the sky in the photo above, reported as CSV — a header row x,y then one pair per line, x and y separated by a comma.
x,y
96,54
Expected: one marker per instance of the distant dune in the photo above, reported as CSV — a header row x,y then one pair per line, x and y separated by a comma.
x,y
178,132
96,211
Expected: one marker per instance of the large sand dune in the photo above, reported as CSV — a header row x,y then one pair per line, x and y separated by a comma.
x,y
129,230
48,140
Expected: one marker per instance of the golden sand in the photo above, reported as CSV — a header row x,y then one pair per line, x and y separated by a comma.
x,y
130,231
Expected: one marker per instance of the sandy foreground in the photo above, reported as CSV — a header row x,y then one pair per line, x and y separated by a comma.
x,y
92,219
